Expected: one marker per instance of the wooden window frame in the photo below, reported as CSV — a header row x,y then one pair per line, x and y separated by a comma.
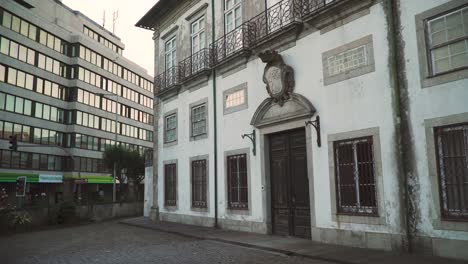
x,y
430,47
358,209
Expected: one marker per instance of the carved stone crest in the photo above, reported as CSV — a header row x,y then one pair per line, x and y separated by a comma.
x,y
278,77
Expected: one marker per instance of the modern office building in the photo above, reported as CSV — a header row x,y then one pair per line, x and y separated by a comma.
x,y
340,121
67,92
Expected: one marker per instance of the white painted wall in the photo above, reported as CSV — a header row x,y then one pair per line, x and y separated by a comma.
x,y
426,103
148,191
359,103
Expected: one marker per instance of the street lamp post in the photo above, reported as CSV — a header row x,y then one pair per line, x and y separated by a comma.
x,y
114,196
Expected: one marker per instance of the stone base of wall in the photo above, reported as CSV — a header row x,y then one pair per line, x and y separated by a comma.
x,y
100,212
362,239
187,219
243,226
228,224
442,247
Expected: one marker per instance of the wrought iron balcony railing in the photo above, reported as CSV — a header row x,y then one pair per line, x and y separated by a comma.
x,y
171,77
276,18
310,7
198,62
239,39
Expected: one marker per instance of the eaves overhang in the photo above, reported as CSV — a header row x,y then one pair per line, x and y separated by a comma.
x,y
151,18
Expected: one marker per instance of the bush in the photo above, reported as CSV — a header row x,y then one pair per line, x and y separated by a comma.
x,y
20,220
66,213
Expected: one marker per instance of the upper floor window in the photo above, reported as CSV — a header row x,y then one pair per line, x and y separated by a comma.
x,y
171,53
198,35
232,14
347,60
448,41
199,120
452,154
235,99
170,128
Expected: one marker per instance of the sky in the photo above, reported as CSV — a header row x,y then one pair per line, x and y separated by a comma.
x,y
138,42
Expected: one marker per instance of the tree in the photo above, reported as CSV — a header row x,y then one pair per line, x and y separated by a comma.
x,y
135,168
116,156
128,164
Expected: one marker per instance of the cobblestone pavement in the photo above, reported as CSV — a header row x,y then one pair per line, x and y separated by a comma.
x,y
111,242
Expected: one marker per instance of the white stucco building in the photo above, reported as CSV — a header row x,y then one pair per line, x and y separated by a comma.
x,y
340,121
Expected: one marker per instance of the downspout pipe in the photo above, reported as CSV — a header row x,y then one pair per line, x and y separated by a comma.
x,y
215,123
398,79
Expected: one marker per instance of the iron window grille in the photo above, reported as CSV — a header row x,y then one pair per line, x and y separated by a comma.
x,y
447,38
199,120
355,177
199,184
237,182
170,185
452,161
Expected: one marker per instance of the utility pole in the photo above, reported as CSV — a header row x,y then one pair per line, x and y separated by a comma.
x,y
104,19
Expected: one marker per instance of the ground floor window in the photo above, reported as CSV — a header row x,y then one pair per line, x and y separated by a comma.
x,y
355,176
199,184
452,156
237,182
170,185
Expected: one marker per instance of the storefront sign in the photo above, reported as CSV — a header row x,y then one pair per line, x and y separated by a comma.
x,y
50,178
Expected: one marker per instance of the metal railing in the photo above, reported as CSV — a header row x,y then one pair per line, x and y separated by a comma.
x,y
271,21
275,18
310,7
239,39
198,62
167,79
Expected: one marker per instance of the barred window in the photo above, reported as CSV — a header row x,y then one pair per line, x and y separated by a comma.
x,y
355,176
237,182
199,120
199,184
452,154
448,41
235,99
170,185
347,60
171,128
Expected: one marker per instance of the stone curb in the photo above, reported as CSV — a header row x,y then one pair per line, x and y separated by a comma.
x,y
247,245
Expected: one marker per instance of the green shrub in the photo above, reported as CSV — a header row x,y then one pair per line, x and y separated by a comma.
x,y
20,219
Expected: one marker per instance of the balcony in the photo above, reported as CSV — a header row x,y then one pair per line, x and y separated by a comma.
x,y
197,63
233,43
168,79
310,8
275,19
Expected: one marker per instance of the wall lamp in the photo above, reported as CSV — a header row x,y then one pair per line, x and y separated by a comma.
x,y
253,139
316,124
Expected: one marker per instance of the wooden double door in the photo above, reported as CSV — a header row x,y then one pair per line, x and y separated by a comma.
x,y
289,184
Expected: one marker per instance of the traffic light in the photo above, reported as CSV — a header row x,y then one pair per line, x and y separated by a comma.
x,y
20,186
14,143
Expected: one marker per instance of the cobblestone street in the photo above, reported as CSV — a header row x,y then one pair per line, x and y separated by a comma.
x,y
111,242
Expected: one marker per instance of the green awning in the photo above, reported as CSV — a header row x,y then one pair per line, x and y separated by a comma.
x,y
92,178
11,177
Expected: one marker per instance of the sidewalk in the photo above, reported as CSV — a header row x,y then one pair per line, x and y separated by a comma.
x,y
288,245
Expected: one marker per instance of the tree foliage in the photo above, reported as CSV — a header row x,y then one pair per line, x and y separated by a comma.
x,y
129,164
